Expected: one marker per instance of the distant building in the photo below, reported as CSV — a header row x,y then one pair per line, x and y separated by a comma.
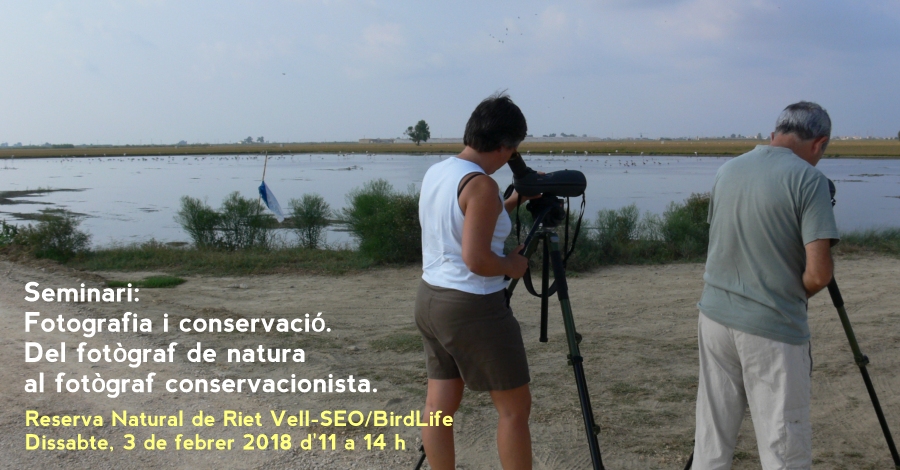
x,y
376,141
4,144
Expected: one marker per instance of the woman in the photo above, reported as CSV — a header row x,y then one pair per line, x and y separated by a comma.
x,y
471,337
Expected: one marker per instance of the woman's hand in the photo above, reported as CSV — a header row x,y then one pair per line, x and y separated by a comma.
x,y
518,263
514,199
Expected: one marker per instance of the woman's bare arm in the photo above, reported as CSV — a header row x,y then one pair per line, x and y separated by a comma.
x,y
481,206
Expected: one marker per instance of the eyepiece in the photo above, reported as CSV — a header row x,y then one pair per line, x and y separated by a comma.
x,y
518,166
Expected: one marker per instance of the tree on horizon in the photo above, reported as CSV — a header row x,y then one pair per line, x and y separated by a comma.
x,y
420,133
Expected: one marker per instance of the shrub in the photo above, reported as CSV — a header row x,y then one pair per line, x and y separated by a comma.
x,y
310,218
55,237
385,222
684,227
618,237
8,233
616,230
240,224
199,221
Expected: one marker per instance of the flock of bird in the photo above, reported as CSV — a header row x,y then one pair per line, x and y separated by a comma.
x,y
563,156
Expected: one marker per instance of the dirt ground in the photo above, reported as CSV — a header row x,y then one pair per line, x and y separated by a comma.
x,y
639,328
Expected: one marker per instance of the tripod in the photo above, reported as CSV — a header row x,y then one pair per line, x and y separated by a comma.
x,y
861,361
541,232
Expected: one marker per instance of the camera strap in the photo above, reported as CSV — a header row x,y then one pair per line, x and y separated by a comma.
x,y
506,195
566,252
571,250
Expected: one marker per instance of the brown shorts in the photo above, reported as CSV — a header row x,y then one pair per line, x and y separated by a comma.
x,y
471,336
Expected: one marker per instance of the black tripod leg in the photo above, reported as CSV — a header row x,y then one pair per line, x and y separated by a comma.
x,y
861,361
590,427
421,458
690,462
545,290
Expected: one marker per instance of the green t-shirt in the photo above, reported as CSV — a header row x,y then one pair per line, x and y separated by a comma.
x,y
765,206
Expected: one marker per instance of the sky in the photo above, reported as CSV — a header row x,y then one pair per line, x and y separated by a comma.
x,y
144,71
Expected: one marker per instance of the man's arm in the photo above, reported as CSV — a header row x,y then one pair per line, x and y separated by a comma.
x,y
819,266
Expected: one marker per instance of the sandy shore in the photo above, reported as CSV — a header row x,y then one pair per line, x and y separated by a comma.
x,y
639,328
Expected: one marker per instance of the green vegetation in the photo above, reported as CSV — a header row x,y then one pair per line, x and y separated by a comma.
x,y
418,134
239,225
309,216
684,227
385,222
236,240
154,256
8,233
883,241
243,225
199,221
152,282
56,236
623,237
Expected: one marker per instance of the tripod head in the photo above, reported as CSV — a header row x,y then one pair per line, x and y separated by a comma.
x,y
547,210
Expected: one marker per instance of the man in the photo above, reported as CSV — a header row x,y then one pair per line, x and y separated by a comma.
x,y
771,231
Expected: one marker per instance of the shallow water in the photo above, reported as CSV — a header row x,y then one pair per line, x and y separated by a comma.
x,y
133,199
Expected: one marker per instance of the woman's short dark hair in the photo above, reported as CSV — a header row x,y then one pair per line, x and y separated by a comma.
x,y
496,122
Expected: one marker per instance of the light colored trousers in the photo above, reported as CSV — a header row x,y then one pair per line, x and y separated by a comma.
x,y
739,369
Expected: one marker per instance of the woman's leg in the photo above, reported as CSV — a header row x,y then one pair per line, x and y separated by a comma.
x,y
513,435
443,396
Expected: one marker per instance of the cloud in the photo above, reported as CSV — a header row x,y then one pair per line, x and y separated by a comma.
x,y
382,42
612,67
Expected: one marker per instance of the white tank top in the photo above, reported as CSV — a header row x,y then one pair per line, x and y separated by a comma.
x,y
442,225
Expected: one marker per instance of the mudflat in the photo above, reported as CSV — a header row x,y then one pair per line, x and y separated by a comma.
x,y
638,323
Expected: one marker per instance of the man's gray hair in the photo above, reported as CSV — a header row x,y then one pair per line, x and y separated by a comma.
x,y
804,119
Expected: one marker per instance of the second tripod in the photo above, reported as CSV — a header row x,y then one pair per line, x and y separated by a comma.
x,y
541,234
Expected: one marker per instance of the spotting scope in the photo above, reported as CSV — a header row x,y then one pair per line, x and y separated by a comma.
x,y
562,183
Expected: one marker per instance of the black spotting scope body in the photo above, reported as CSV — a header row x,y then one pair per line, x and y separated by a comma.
x,y
563,183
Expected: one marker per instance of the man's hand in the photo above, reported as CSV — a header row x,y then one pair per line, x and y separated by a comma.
x,y
819,266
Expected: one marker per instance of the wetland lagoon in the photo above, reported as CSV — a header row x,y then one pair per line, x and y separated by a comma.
x,y
125,200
